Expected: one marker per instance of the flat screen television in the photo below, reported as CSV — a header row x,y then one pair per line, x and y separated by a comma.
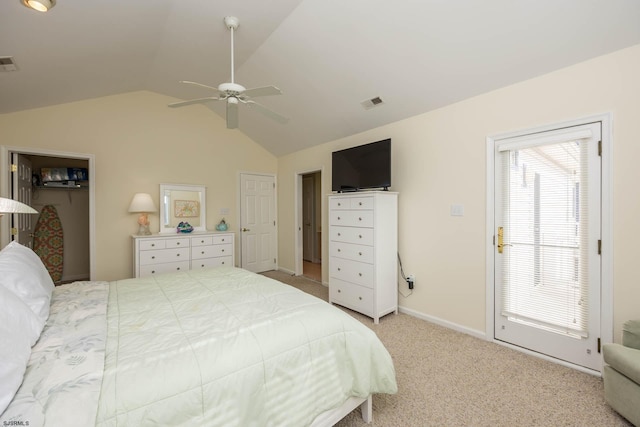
x,y
363,167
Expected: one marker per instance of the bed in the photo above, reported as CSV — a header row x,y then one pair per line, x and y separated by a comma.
x,y
219,346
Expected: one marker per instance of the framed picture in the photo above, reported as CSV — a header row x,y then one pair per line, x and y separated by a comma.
x,y
187,208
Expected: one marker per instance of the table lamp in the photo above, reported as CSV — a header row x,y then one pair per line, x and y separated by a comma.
x,y
142,204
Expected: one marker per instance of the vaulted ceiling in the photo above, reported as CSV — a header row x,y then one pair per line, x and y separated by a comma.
x,y
327,56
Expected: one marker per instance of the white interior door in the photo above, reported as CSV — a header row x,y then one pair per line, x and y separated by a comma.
x,y
548,231
257,222
23,224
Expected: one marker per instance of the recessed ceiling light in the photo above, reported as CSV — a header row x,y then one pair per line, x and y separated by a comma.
x,y
39,5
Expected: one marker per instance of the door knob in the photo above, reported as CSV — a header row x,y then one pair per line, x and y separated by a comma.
x,y
246,229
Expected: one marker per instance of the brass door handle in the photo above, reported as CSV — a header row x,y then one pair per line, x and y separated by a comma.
x,y
501,243
246,229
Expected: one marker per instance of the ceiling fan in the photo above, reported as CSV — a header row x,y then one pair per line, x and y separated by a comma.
x,y
233,93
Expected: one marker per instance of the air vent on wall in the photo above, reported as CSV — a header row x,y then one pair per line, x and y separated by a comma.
x,y
373,102
7,63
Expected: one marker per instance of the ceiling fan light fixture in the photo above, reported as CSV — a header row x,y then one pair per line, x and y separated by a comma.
x,y
39,5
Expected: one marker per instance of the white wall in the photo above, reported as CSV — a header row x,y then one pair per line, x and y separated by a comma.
x,y
138,143
439,159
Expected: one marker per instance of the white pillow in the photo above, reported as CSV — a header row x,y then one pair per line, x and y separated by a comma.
x,y
22,272
19,330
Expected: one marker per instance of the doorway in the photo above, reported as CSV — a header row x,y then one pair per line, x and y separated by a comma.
x,y
548,224
309,225
70,201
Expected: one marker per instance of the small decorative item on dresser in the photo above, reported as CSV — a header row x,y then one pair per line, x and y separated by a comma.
x,y
222,225
184,227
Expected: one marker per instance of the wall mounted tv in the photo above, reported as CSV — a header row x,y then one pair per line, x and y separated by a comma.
x,y
363,167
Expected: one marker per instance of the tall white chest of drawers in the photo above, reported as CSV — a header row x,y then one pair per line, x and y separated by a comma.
x,y
363,252
163,253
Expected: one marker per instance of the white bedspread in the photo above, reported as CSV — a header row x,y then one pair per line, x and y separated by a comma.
x,y
61,386
225,347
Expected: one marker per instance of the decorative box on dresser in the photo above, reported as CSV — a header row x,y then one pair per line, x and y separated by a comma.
x,y
363,252
163,253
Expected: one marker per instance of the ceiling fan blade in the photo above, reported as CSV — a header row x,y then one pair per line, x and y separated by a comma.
x,y
201,85
232,113
193,101
264,110
262,91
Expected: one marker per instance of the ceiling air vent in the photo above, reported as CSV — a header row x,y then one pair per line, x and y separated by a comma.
x,y
7,63
373,102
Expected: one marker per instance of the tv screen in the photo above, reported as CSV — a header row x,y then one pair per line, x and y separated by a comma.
x,y
364,166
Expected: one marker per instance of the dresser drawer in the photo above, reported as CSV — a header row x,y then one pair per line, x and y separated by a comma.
x,y
148,245
164,255
168,267
354,202
351,218
352,271
352,296
177,243
212,262
222,239
362,203
202,241
361,236
199,252
350,251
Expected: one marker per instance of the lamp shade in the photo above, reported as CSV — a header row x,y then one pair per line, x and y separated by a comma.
x,y
12,206
142,202
39,5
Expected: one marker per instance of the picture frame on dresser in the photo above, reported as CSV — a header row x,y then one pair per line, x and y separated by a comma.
x,y
174,201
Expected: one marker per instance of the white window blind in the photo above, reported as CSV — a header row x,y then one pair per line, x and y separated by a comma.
x,y
545,268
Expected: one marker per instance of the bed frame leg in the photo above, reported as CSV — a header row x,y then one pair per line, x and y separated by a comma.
x,y
367,409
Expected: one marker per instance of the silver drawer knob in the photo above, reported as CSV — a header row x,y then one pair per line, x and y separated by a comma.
x,y
360,203
223,250
178,268
359,219
153,257
202,252
223,240
339,250
153,245
177,254
360,236
360,253
339,291
222,262
338,218
339,269
178,243
339,234
360,274
360,298
153,271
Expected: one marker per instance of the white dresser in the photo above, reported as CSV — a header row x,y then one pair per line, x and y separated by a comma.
x,y
363,252
163,253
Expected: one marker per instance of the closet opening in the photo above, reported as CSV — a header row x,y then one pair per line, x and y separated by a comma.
x,y
60,187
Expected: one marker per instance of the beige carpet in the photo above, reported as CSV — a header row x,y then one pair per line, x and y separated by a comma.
x,y
447,378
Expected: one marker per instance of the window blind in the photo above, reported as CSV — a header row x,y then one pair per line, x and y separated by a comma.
x,y
545,263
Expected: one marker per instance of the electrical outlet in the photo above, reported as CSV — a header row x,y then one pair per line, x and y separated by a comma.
x,y
411,280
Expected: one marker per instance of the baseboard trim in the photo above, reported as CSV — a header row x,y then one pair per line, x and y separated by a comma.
x,y
285,270
75,277
444,323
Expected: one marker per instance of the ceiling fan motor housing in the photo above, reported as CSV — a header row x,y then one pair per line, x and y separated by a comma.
x,y
231,89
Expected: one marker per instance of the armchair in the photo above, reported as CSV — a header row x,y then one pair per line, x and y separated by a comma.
x,y
622,373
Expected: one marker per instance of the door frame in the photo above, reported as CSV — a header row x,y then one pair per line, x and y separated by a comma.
x,y
5,191
239,214
298,218
606,257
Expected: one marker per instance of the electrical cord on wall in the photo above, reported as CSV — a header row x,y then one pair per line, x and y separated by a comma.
x,y
404,277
